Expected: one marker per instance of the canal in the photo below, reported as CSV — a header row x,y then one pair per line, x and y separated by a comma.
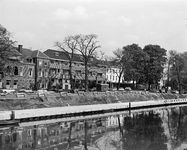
x,y
149,129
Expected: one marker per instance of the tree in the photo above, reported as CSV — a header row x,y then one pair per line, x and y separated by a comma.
x,y
6,47
121,59
178,67
155,65
68,46
87,46
134,67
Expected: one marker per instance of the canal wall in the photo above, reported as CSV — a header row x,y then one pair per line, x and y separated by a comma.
x,y
84,110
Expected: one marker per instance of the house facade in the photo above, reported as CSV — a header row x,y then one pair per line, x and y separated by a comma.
x,y
18,71
59,70
113,75
42,65
50,69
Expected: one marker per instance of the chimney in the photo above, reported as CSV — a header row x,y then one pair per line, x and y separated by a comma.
x,y
20,48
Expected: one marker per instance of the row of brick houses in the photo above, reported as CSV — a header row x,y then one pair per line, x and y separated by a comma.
x,y
35,69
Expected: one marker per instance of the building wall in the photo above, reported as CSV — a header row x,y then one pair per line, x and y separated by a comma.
x,y
112,75
42,73
22,78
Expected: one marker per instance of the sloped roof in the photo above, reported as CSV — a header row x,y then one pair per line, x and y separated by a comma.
x,y
61,55
77,57
15,52
39,54
26,53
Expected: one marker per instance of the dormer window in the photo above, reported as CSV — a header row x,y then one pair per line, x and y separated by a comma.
x,y
29,59
56,53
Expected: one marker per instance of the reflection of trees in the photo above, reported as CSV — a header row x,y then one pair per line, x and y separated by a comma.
x,y
177,122
144,132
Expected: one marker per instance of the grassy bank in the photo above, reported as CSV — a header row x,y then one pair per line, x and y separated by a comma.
x,y
82,99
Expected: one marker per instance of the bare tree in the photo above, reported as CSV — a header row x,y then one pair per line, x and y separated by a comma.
x,y
120,60
68,46
87,46
7,49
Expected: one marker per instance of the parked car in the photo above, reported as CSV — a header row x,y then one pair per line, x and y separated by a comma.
x,y
128,89
174,92
8,91
114,89
121,89
25,90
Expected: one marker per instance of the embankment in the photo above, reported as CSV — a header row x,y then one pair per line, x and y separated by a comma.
x,y
60,100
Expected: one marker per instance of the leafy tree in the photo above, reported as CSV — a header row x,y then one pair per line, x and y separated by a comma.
x,y
178,68
6,47
155,65
68,46
134,68
87,46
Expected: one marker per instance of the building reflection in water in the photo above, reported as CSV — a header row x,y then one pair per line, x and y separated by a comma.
x,y
161,129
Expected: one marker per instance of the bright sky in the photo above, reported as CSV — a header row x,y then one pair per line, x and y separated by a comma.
x,y
37,24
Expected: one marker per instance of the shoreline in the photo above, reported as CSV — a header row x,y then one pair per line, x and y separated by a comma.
x,y
49,100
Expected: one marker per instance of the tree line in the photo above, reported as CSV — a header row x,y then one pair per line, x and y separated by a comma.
x,y
142,66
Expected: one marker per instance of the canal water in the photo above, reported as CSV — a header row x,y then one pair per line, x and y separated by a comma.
x,y
151,129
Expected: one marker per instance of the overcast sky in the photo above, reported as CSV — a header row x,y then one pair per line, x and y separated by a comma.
x,y
37,24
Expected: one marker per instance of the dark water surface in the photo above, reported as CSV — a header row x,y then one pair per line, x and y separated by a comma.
x,y
157,129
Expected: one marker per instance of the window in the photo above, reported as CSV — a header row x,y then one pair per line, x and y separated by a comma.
x,y
40,73
56,53
46,74
21,71
30,72
29,59
15,82
8,82
15,70
8,70
46,84
46,63
40,62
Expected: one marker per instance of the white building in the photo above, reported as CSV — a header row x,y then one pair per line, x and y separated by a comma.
x,y
112,75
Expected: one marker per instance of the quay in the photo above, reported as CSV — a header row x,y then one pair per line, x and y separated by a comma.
x,y
83,110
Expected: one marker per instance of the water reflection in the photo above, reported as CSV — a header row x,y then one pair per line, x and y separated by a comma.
x,y
153,130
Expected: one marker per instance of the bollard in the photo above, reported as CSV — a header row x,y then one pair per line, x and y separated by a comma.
x,y
12,117
129,108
